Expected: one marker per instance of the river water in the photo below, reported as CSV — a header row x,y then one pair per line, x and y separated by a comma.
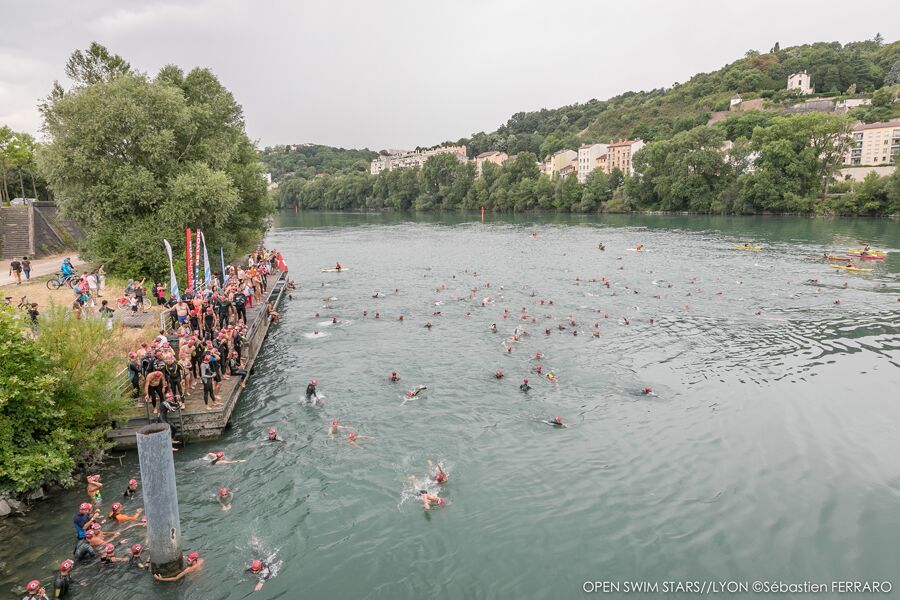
x,y
769,453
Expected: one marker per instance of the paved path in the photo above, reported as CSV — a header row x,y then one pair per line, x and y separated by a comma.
x,y
41,266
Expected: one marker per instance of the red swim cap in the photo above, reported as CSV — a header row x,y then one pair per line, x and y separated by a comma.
x,y
223,491
116,506
84,506
220,454
525,380
271,430
89,534
192,557
137,549
66,565
132,482
109,549
314,382
96,526
33,585
256,566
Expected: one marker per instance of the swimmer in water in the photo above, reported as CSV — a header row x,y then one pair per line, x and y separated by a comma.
x,y
130,490
117,516
499,374
272,435
333,428
430,499
428,325
416,392
334,320
493,328
524,386
551,378
555,422
351,439
600,246
224,498
93,489
195,564
440,476
338,267
311,391
261,571
394,378
538,369
400,318
218,458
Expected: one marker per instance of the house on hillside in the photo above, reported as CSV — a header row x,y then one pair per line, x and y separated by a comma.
x,y
801,82
587,159
619,155
493,156
559,160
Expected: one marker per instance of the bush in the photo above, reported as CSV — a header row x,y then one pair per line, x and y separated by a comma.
x,y
59,393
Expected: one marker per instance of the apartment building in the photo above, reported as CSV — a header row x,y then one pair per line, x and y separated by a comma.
x,y
493,156
587,159
415,158
619,155
558,160
874,143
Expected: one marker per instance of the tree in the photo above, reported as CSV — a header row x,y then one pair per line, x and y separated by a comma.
x,y
135,160
893,76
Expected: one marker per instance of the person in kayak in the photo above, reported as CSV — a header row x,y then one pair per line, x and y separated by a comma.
x,y
224,497
195,564
337,266
63,581
261,571
524,386
394,378
117,516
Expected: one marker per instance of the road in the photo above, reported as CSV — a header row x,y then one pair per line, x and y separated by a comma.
x,y
41,266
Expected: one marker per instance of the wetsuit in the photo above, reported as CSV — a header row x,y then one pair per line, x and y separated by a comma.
x,y
136,562
134,375
175,375
239,300
209,322
234,367
106,561
524,387
167,407
61,586
195,323
263,574
128,494
83,551
236,343
206,375
310,392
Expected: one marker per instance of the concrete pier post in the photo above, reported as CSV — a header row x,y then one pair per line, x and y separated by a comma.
x,y
154,444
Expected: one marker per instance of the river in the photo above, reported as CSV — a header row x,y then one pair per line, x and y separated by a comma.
x,y
770,451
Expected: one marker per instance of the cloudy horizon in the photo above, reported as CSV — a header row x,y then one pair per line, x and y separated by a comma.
x,y
406,74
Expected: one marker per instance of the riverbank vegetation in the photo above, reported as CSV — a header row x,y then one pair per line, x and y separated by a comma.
x,y
305,161
134,159
777,164
59,392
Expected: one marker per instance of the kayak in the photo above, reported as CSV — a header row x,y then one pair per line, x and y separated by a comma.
x,y
857,269
861,250
637,250
751,248
841,258
334,270
870,256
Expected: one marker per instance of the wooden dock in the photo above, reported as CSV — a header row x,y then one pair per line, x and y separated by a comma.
x,y
197,423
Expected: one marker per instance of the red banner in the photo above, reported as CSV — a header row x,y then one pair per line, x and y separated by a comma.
x,y
188,261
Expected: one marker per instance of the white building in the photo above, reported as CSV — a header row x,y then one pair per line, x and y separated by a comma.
x,y
587,159
801,82
874,143
415,158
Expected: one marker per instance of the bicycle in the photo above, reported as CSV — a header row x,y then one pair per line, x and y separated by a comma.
x,y
59,281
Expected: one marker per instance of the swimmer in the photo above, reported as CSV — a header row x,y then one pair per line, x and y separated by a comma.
x,y
493,328
333,428
428,325
524,386
261,571
224,498
648,391
537,356
93,489
538,368
97,538
351,439
117,516
400,318
63,581
334,320
499,374
551,378
440,476
195,564
416,392
338,267
547,331
394,378
272,435
108,556
130,490
311,391
555,422
377,315
430,499
600,246
135,559
35,591
218,458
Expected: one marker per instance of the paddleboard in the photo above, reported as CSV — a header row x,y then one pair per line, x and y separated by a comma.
x,y
334,270
843,268
751,248
869,257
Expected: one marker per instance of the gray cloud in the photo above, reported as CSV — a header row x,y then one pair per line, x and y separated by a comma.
x,y
403,73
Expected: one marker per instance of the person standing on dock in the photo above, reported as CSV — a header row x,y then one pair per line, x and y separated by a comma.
x,y
206,377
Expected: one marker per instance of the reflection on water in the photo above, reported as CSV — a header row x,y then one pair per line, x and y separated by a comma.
x,y
768,451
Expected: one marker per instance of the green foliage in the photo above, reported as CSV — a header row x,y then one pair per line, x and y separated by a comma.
x,y
135,160
58,394
18,167
308,160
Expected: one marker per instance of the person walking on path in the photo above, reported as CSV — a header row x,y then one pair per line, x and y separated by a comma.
x,y
15,271
26,268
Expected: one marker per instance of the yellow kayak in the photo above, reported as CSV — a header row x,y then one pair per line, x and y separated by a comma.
x,y
751,248
857,269
861,250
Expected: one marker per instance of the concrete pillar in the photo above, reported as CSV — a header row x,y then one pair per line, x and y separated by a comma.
x,y
154,444
30,229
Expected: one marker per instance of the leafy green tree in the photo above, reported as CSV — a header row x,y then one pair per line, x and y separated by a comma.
x,y
135,160
58,395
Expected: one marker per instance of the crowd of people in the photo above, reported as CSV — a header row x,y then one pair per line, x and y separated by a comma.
x,y
210,324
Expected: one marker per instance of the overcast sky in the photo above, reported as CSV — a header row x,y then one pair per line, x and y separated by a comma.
x,y
397,74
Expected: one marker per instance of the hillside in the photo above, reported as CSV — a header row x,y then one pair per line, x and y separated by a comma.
x,y
659,114
305,161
